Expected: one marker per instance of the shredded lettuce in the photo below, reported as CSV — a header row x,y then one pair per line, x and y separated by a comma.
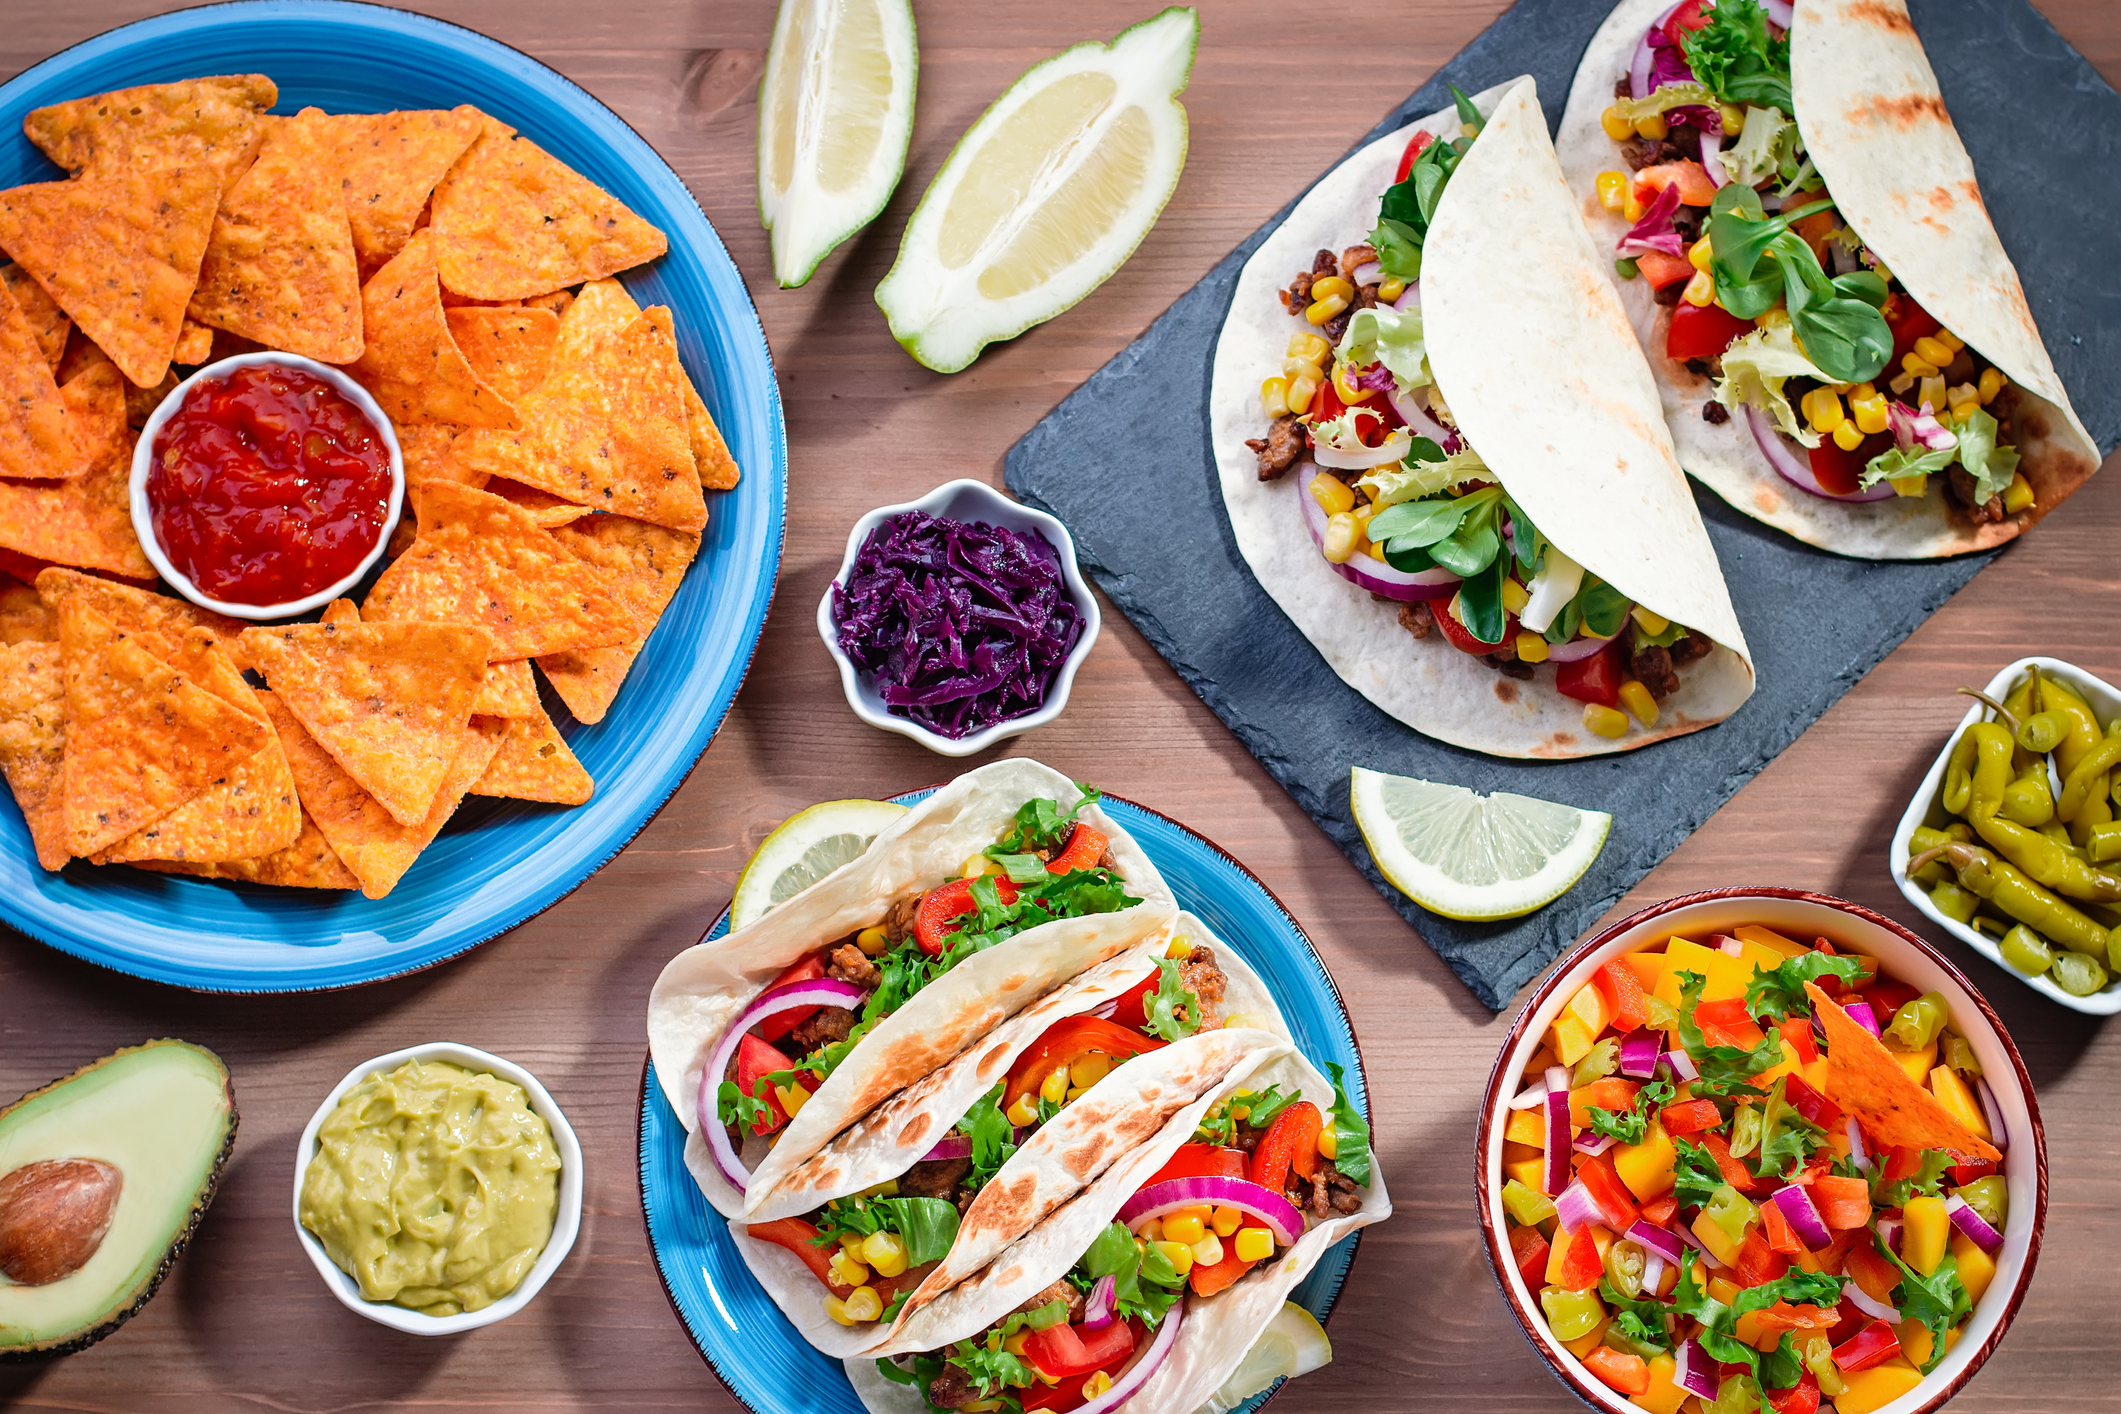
x,y
1992,466
1352,1131
1411,480
1918,460
1756,367
1765,148
1391,337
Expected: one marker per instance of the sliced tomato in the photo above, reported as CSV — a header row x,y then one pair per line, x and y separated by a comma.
x,y
1204,1161
1963,1174
1840,472
800,1238
1066,1042
1692,179
1909,321
1066,1395
943,905
1593,679
1064,1351
807,969
755,1058
1085,847
1290,1142
1461,637
1688,17
1415,146
1886,996
1702,330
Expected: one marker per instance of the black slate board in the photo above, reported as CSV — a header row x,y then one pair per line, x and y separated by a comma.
x,y
2045,133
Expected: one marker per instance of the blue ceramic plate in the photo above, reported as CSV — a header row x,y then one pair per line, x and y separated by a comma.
x,y
498,863
744,1337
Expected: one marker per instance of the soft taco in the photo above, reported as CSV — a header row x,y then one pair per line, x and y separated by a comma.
x,y
1842,345
1456,478
1146,1292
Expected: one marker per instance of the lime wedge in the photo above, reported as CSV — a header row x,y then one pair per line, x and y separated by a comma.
x,y
1471,856
835,115
1293,1344
804,850
1046,195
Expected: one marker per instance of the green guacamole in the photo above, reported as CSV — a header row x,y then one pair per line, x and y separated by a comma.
x,y
433,1187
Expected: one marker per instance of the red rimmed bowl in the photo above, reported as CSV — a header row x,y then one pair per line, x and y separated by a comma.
x,y
1799,914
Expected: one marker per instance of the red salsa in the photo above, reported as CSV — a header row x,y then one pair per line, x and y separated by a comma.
x,y
268,485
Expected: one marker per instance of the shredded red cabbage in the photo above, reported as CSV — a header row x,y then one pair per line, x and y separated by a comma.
x,y
1376,378
1655,230
960,625
1667,60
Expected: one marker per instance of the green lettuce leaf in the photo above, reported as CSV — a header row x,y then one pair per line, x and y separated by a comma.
x,y
1992,466
1755,369
1390,337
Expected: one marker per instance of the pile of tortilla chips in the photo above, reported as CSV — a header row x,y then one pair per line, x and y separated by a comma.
x,y
556,456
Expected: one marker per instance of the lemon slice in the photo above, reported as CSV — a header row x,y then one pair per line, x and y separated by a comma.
x,y
1046,195
835,115
804,850
1471,856
1293,1344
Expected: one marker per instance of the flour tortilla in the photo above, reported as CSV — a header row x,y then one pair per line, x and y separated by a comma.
x,y
703,988
1875,126
1534,357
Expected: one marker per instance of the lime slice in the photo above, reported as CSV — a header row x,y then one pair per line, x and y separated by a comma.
x,y
1046,195
1293,1344
1471,856
804,850
835,115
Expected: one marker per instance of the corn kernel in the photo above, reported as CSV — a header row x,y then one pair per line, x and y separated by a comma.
x,y
853,1241
1180,949
1274,397
1024,1111
1390,289
1604,720
1612,189
793,1097
1650,619
837,1310
1618,128
1333,286
1918,365
1332,494
1848,436
1015,1344
1151,1232
1870,414
887,1189
1055,1086
1700,253
1639,702
1178,1254
976,865
1914,487
1962,395
1187,1225
1324,310
1308,348
1933,350
1090,1069
1700,290
886,1252
872,940
1342,537
1515,596
1824,409
1931,394
1653,127
1255,1244
1208,1252
2018,495
1733,120
1992,381
1301,391
848,1268
1900,384
1295,368
1225,1220
1328,1142
1531,648
863,1305
1096,1385
1349,393
1631,209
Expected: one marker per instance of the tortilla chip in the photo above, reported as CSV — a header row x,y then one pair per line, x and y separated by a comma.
x,y
600,309
718,471
160,624
509,347
24,616
430,455
195,345
1863,1078
47,319
85,522
511,220
33,742
210,122
557,301
412,364
141,740
644,564
608,432
533,763
545,508
480,560
280,266
373,846
390,702
340,611
308,863
509,691
36,431
388,164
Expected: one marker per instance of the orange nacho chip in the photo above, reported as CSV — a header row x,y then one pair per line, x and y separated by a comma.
x,y
645,564
511,220
388,164
430,455
480,560
545,508
608,432
390,702
141,739
195,345
340,611
412,363
87,521
47,320
534,763
308,863
510,691
209,122
33,742
36,431
718,470
557,301
24,616
509,347
1864,1079
162,625
604,308
373,845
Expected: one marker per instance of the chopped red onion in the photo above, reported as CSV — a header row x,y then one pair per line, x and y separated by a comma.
x,y
817,992
1652,1238
1655,232
1555,1178
1802,1213
951,1146
1097,1311
1862,1015
1796,471
1682,1065
1686,1235
1363,571
1653,1264
1533,1096
1410,298
1576,1208
1149,1362
1639,1053
1586,1144
1216,1191
1105,1011
1577,648
1857,1154
1695,1372
1888,1230
1368,273
1869,1305
1972,1223
1729,946
1993,1113
1780,12
1910,427
1417,418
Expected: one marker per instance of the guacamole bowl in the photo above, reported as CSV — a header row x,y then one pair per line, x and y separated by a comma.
x,y
567,1212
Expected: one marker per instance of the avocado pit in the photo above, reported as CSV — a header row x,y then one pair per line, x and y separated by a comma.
x,y
53,1215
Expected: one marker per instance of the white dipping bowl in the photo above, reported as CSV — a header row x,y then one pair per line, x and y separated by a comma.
x,y
964,500
144,456
566,1218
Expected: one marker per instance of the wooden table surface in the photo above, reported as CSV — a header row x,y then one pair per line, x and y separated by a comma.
x,y
244,1322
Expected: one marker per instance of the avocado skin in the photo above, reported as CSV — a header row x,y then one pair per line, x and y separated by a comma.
x,y
13,1355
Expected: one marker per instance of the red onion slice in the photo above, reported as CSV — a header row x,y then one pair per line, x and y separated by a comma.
x,y
1682,1065
1363,571
1730,947
951,1146
1712,156
1137,1374
1416,417
1857,1154
1993,1113
1780,12
1410,298
1216,1191
1868,1304
1653,1265
1097,1311
1532,1097
1695,1372
1594,1145
1799,473
1862,1015
1555,1177
1579,648
1652,1238
818,991
1575,1208
1806,1224
1972,1223
1639,1053
1368,273
1889,1232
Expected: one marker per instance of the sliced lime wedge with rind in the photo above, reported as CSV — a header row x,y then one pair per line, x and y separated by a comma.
x,y
1473,857
806,848
1046,195
835,118
1293,1344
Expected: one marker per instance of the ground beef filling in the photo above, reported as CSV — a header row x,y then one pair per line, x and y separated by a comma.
x,y
1279,449
1206,980
935,1178
952,1389
851,965
1062,1290
1326,1193
824,1027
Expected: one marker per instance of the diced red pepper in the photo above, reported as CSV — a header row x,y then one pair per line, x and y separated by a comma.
x,y
1621,986
1886,994
800,1238
1529,1251
1909,321
1065,1042
1844,1204
1064,1350
805,969
1726,1013
1902,1161
1085,847
1800,1398
1066,1395
1291,1142
1703,330
1873,1345
1629,1374
945,904
1851,1319
1809,1102
1798,1033
1581,1266
1206,1280
754,1058
1660,1211
1734,1173
1593,679
1757,1264
1415,145
1595,1172
1690,1117
1203,1161
1661,270
1780,1238
1963,1174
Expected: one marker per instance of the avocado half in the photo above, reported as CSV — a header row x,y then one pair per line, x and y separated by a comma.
x,y
163,1117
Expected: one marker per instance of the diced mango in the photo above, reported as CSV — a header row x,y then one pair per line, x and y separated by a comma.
x,y
1532,1173
1647,1168
1915,1342
1917,1064
1976,1268
1537,1065
1649,966
1726,976
1951,1092
1769,939
1588,1006
1815,1076
1527,1127
1767,1078
1876,1387
1723,1289
1928,1228
1570,1038
1665,1395
1557,1248
1712,1237
1511,1153
1588,1341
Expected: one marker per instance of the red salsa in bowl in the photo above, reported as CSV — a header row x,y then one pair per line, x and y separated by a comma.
x,y
268,484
